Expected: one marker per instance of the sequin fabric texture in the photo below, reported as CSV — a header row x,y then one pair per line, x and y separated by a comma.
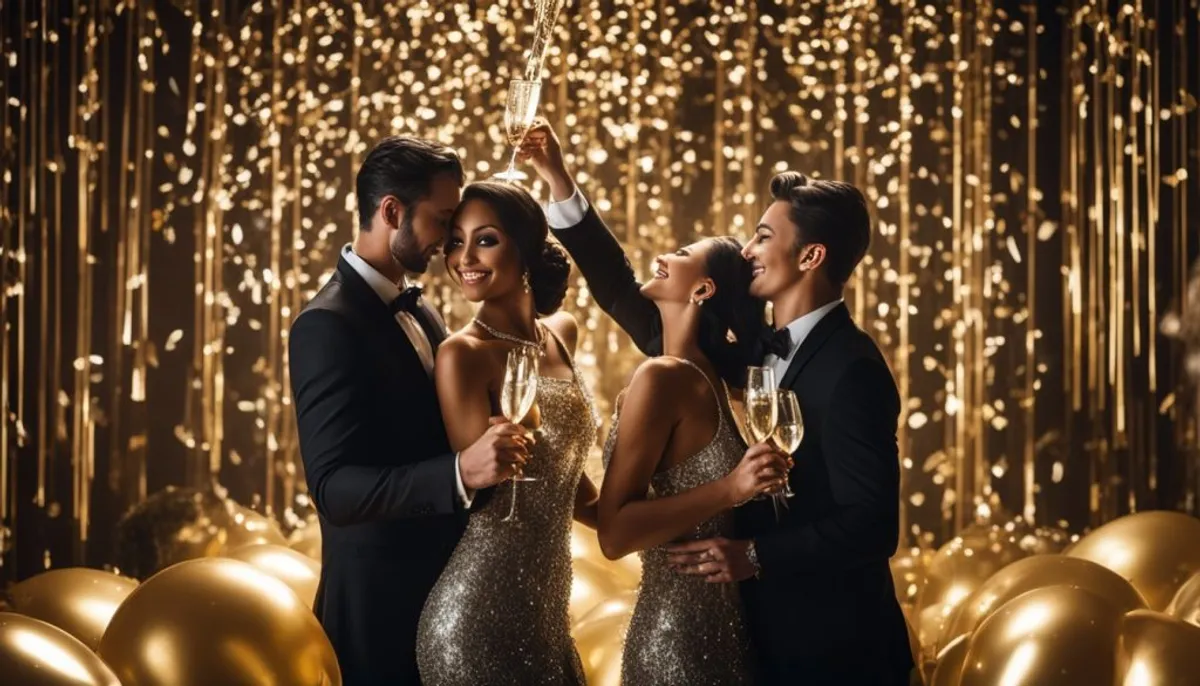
x,y
499,612
685,630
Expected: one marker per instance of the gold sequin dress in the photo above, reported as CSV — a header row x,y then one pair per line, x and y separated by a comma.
x,y
685,630
499,612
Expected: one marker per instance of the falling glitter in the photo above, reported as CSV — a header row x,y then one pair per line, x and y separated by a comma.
x,y
1008,299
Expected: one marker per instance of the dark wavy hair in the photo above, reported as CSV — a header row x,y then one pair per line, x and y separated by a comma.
x,y
523,220
733,327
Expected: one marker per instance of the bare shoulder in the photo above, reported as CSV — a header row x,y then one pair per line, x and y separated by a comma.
x,y
564,325
658,373
464,354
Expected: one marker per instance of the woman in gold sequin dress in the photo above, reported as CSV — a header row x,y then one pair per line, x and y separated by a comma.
x,y
499,612
676,467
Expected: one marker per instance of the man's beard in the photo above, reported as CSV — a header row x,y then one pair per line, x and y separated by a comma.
x,y
406,250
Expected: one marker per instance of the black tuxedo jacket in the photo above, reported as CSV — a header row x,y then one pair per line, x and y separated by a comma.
x,y
825,609
381,472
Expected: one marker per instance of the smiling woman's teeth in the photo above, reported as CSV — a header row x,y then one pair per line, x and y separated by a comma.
x,y
473,277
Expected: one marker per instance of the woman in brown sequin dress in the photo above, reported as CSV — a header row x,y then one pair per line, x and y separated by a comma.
x,y
499,612
676,467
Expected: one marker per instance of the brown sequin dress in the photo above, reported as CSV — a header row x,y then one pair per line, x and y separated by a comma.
x,y
685,630
499,612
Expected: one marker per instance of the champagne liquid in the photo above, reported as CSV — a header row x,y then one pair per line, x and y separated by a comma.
x,y
516,398
761,416
516,133
788,437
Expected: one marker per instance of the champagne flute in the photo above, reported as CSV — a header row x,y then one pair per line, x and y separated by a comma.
x,y
789,428
761,410
516,399
519,112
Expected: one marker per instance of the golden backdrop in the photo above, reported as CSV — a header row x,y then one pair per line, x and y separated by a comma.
x,y
177,178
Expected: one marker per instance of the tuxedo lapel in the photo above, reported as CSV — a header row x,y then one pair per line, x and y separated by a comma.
x,y
831,322
397,351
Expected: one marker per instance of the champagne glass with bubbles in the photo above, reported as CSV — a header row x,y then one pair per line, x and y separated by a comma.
x,y
516,400
789,428
761,410
523,98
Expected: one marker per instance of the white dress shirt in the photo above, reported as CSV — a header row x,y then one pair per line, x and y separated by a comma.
x,y
569,212
387,290
799,329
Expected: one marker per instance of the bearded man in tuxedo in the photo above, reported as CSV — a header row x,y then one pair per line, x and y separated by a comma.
x,y
391,497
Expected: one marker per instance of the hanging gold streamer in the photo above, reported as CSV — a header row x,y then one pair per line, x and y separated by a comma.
x,y
674,117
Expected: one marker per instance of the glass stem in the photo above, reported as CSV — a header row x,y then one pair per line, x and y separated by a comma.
x,y
512,508
512,161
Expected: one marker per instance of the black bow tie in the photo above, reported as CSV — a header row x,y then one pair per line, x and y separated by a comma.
x,y
407,300
780,343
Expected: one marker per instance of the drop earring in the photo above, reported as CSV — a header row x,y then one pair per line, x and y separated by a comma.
x,y
525,281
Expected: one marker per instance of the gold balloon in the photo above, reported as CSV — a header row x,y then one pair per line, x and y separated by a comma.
x,y
247,527
34,653
1156,551
1051,635
591,585
908,574
307,540
1186,603
948,669
1157,650
932,624
1037,572
217,621
963,564
1044,540
585,546
600,641
77,600
295,569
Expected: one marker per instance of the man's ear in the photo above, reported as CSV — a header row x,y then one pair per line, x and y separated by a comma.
x,y
392,211
811,256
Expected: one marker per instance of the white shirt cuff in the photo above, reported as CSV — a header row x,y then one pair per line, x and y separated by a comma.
x,y
466,498
569,212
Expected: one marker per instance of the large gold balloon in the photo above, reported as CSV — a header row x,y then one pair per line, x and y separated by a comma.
x,y
948,670
78,600
591,585
585,546
1157,650
217,621
1037,572
34,653
1156,551
306,540
247,527
963,564
600,639
1186,603
1052,635
295,569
